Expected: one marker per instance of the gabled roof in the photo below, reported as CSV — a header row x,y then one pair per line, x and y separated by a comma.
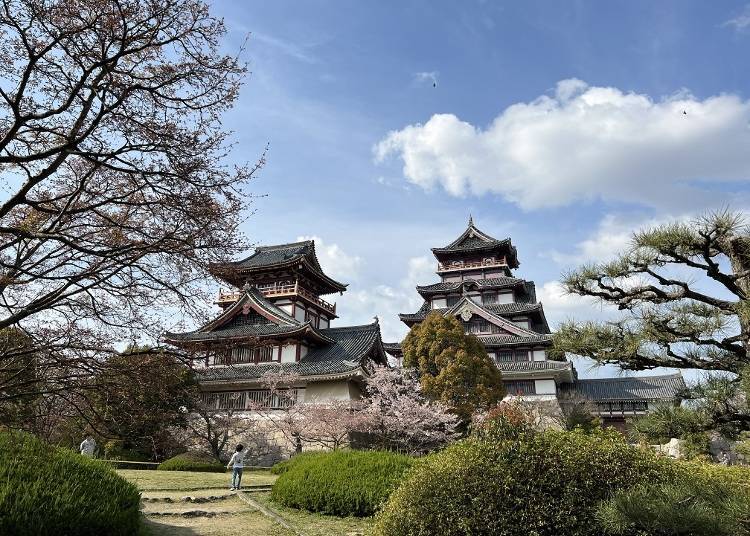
x,y
345,357
465,305
269,322
266,258
472,240
666,387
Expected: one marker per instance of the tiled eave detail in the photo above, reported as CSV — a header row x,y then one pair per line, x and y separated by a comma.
x,y
646,388
357,372
298,255
499,341
492,283
560,371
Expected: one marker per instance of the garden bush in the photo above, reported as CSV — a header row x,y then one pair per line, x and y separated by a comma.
x,y
341,483
192,461
540,484
48,490
284,465
699,502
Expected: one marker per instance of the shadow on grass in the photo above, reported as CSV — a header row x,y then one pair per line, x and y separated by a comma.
x,y
154,528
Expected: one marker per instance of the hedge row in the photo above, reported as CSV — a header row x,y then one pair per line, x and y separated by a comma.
x,y
340,483
51,491
192,461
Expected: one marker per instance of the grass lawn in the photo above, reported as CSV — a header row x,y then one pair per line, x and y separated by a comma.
x,y
162,492
185,480
245,524
316,524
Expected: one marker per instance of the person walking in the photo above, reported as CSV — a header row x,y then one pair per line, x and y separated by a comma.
x,y
236,462
87,447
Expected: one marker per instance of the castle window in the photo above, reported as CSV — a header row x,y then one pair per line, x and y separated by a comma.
x,y
520,387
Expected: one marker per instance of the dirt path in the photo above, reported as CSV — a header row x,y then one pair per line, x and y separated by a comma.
x,y
209,512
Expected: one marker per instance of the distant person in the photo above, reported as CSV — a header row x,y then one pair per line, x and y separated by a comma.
x,y
236,462
88,446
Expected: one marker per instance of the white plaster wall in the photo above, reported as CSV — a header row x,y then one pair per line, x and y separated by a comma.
x,y
326,391
302,351
545,387
324,323
287,307
505,297
522,323
289,353
539,355
438,303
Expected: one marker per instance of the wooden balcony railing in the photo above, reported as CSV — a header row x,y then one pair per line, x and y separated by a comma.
x,y
462,265
275,290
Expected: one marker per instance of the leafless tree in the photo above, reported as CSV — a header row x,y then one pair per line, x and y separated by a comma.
x,y
116,194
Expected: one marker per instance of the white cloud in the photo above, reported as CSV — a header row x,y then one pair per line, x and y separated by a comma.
x,y
426,76
335,261
741,21
611,238
385,301
286,47
583,143
560,306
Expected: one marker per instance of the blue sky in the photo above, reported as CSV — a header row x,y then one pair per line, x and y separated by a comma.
x,y
564,125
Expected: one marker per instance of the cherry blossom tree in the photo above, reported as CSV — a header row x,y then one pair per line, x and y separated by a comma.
x,y
397,415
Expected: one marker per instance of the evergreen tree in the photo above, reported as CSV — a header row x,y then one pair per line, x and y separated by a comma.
x,y
684,288
454,367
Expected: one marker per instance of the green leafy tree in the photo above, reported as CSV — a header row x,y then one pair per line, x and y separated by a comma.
x,y
684,288
137,398
454,367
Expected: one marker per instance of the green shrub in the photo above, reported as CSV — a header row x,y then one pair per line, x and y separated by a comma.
x,y
341,483
541,484
695,504
695,445
48,490
192,461
666,422
284,465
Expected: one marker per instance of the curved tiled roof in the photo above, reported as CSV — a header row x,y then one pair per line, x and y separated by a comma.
x,y
231,325
351,345
523,366
500,309
272,255
472,240
489,283
278,256
666,387
514,340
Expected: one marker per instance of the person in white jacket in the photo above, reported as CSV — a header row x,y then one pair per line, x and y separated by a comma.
x,y
237,462
87,447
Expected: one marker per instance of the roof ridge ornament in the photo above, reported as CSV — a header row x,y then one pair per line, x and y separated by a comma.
x,y
471,220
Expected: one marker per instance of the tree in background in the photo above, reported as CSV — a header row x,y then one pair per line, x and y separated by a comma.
x,y
396,415
112,157
453,366
136,399
684,288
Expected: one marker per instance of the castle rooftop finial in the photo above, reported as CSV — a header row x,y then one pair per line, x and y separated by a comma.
x,y
471,220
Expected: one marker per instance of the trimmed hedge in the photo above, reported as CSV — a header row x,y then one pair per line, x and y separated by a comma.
x,y
192,461
342,483
48,490
284,465
546,484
